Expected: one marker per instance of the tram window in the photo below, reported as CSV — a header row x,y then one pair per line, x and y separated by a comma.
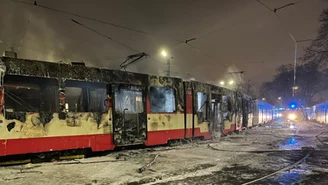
x,y
162,99
85,96
128,100
202,104
30,94
226,104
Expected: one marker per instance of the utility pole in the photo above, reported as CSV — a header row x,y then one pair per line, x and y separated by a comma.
x,y
168,72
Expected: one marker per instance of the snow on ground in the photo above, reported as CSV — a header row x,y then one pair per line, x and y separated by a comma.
x,y
235,159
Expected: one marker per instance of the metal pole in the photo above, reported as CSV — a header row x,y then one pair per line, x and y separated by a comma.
x,y
168,68
291,36
295,65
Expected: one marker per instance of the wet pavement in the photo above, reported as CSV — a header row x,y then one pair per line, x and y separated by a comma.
x,y
301,139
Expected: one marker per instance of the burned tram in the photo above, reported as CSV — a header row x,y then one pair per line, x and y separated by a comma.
x,y
55,107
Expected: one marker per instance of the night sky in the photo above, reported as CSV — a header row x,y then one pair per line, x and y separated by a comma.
x,y
239,34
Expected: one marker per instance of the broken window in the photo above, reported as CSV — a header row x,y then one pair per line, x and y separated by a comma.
x,y
85,96
226,108
128,100
226,104
30,94
162,99
202,105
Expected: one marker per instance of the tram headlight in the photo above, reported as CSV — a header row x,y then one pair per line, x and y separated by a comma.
x,y
291,116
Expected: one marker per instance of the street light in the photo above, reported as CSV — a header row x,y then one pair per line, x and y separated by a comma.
x,y
222,83
164,53
231,82
280,101
263,99
289,33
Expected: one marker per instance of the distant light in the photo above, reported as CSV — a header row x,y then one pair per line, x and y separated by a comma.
x,y
279,115
279,98
293,105
291,116
263,99
231,82
222,83
164,53
292,126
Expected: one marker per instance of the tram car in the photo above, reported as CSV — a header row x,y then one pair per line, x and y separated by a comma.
x,y
265,112
48,107
318,113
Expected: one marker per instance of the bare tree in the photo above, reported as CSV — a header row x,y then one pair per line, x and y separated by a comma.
x,y
318,50
311,83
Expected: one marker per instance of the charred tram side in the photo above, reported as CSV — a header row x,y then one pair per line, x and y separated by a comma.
x,y
54,107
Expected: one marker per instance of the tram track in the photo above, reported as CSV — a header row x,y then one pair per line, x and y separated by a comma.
x,y
280,171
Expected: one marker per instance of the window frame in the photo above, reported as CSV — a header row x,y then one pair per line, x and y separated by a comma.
x,y
174,95
206,114
54,83
105,108
132,88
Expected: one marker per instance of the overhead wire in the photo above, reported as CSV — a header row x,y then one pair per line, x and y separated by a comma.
x,y
218,30
95,20
178,42
93,30
221,29
114,40
99,33
289,33
240,22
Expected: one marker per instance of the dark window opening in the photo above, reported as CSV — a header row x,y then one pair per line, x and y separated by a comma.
x,y
30,94
202,103
128,100
85,96
226,104
226,108
162,99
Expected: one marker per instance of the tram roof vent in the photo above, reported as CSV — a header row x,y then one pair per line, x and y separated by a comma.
x,y
11,54
78,63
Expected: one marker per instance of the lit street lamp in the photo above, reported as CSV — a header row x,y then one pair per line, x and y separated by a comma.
x,y
164,53
222,83
231,82
280,101
263,99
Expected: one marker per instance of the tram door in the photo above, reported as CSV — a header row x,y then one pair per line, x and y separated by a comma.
x,y
129,115
216,116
